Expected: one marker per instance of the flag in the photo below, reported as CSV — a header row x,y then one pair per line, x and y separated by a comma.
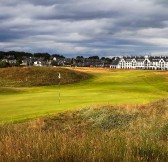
x,y
59,76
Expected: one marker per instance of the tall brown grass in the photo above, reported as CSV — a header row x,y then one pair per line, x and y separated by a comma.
x,y
38,76
91,134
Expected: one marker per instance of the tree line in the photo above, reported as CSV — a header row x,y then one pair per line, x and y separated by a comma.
x,y
18,55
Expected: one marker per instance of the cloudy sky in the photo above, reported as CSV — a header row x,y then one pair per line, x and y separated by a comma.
x,y
85,27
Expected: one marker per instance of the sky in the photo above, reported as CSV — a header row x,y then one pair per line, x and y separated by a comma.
x,y
85,27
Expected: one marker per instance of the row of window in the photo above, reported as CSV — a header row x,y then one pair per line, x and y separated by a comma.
x,y
141,67
143,64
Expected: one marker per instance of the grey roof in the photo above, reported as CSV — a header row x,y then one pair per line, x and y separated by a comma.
x,y
155,59
165,58
137,58
158,58
142,58
116,61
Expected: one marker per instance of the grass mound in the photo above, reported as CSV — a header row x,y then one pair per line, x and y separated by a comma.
x,y
106,133
38,76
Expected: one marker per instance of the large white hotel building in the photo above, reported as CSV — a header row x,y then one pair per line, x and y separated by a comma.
x,y
141,62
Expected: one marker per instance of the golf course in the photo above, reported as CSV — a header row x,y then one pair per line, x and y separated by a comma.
x,y
89,114
19,102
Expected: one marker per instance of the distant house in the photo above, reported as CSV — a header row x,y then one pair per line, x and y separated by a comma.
x,y
141,62
9,60
29,61
115,63
38,63
24,63
12,61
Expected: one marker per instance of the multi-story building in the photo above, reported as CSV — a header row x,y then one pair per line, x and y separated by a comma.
x,y
141,62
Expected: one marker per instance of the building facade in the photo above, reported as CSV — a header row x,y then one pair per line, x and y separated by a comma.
x,y
141,62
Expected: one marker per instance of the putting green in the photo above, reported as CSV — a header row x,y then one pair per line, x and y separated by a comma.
x,y
107,87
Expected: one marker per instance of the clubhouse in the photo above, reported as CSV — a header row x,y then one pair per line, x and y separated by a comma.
x,y
140,62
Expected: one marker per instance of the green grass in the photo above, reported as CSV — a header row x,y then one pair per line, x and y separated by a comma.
x,y
106,87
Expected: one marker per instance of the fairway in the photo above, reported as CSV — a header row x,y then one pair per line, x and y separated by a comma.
x,y
106,87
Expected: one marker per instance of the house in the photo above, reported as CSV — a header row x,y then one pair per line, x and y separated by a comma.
x,y
140,62
24,63
10,59
116,63
40,63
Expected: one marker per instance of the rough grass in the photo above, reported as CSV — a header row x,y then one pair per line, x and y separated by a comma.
x,y
38,76
104,133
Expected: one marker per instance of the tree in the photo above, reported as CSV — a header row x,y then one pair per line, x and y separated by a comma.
x,y
58,56
94,57
79,57
103,58
46,56
108,60
18,62
4,64
1,54
17,54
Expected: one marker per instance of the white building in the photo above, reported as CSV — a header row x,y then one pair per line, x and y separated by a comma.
x,y
141,62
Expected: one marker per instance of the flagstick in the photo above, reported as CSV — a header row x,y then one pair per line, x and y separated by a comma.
x,y
59,82
59,95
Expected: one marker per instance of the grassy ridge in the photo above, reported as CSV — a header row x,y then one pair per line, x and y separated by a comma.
x,y
106,87
38,76
105,133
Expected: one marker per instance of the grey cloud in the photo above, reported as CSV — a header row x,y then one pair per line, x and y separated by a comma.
x,y
78,16
49,2
85,26
4,17
76,12
160,2
34,2
9,2
141,23
7,35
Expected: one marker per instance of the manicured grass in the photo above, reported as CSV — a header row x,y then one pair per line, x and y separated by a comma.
x,y
106,87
